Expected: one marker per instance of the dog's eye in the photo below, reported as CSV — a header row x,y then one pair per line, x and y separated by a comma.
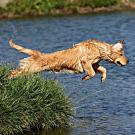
x,y
121,54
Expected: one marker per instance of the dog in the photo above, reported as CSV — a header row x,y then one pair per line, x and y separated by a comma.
x,y
82,57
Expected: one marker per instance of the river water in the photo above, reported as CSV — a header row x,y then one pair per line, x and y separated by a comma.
x,y
101,108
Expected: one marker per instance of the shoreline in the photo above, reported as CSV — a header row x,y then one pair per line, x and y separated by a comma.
x,y
66,11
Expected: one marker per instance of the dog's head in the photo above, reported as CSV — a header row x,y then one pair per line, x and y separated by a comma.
x,y
117,54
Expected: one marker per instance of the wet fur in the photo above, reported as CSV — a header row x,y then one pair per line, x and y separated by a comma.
x,y
82,57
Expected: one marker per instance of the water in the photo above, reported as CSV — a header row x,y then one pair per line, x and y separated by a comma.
x,y
101,108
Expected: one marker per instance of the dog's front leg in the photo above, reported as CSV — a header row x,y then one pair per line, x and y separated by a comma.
x,y
102,71
87,66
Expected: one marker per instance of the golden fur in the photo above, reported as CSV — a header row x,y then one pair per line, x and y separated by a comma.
x,y
83,57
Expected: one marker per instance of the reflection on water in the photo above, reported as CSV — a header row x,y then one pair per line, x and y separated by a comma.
x,y
101,108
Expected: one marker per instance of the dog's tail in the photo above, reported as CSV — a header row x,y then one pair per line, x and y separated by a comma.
x,y
22,49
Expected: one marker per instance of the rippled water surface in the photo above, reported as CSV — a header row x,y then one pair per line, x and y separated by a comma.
x,y
101,108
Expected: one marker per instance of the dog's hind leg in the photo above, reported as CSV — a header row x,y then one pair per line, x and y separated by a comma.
x,y
22,49
29,65
15,73
87,66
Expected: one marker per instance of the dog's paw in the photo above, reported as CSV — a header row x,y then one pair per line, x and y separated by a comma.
x,y
103,79
11,42
87,77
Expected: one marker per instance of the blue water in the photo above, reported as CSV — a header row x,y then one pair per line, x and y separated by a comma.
x,y
101,108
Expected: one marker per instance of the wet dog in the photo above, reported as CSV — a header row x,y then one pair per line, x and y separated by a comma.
x,y
82,57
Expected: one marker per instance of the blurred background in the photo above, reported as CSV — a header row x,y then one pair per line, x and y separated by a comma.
x,y
18,8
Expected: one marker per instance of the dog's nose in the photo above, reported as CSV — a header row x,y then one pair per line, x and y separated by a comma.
x,y
127,61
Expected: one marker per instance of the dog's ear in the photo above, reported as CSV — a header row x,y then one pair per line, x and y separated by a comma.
x,y
121,41
118,46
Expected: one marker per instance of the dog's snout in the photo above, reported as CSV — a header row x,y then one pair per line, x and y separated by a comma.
x,y
122,61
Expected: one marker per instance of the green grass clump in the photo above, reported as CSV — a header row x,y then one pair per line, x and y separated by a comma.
x,y
34,7
29,102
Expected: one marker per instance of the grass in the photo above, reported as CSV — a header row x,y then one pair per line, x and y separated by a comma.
x,y
29,102
43,7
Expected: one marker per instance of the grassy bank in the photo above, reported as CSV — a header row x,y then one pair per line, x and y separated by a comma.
x,y
53,7
30,102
